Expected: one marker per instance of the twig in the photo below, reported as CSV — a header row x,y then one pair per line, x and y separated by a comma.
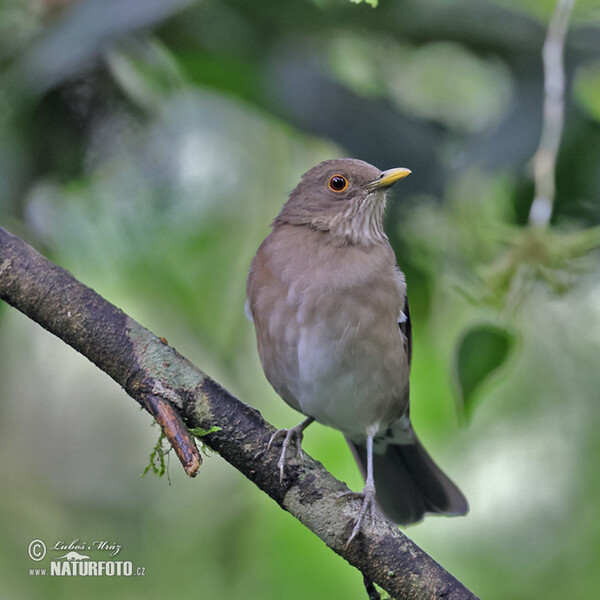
x,y
176,432
544,159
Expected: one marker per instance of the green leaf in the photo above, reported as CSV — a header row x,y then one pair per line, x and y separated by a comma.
x,y
481,351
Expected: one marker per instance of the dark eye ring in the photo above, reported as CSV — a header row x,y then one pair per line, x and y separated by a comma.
x,y
337,183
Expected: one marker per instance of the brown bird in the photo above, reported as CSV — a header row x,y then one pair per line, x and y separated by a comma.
x,y
330,309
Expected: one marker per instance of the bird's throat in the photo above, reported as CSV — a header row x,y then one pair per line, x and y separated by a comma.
x,y
362,224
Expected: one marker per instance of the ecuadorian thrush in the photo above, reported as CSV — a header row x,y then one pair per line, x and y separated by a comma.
x,y
330,309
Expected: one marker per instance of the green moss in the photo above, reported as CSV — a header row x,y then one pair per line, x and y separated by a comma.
x,y
199,432
157,463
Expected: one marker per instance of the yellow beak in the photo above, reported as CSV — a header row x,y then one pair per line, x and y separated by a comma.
x,y
389,178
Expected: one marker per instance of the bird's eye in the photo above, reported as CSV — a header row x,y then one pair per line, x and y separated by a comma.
x,y
337,183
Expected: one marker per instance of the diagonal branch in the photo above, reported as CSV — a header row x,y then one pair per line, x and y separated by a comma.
x,y
154,374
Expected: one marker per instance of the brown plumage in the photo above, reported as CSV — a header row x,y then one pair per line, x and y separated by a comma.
x,y
330,309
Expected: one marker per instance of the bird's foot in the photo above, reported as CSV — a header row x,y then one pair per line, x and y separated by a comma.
x,y
368,506
293,435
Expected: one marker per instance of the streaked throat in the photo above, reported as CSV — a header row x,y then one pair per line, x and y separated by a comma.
x,y
363,223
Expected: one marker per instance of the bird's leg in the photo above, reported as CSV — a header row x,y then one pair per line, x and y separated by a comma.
x,y
294,434
367,495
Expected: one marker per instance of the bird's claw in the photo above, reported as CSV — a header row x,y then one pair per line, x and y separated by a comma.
x,y
294,434
368,505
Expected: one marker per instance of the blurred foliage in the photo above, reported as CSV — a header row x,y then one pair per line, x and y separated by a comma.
x,y
441,81
147,145
373,3
587,89
585,10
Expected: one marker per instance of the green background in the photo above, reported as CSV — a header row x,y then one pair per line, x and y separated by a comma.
x,y
146,146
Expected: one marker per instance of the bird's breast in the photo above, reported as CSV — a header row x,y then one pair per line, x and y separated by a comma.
x,y
327,329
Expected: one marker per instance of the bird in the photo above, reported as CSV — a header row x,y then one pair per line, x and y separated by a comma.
x,y
331,315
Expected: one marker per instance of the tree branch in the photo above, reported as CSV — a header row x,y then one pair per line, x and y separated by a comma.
x,y
154,374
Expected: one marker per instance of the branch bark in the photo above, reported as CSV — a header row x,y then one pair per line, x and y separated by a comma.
x,y
148,369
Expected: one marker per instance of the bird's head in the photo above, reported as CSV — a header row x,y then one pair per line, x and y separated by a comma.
x,y
345,197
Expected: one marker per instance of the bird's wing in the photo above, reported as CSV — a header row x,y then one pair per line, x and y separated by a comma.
x,y
404,315
406,329
248,311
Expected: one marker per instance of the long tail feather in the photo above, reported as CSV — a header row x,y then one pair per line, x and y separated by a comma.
x,y
409,484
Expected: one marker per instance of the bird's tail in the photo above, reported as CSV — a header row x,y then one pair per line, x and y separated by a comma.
x,y
408,484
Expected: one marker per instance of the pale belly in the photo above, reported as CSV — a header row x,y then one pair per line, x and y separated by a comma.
x,y
352,368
